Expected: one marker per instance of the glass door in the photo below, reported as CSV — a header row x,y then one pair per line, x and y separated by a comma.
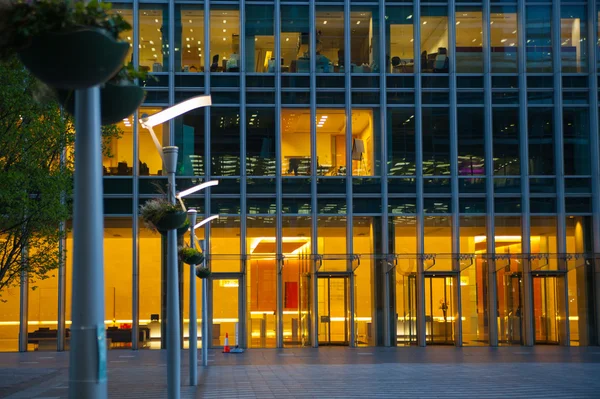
x,y
225,311
440,310
406,309
545,309
296,302
333,310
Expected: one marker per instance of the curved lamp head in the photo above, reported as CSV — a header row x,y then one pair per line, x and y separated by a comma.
x,y
175,111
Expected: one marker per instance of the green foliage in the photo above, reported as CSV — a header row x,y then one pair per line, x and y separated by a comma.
x,y
155,209
21,20
33,135
202,272
190,255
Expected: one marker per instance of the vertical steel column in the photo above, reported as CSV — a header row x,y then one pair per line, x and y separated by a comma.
x,y
420,282
87,365
524,165
205,282
313,172
594,143
492,307
278,186
561,239
193,313
62,272
135,225
173,317
349,216
206,285
454,162
243,316
389,288
24,296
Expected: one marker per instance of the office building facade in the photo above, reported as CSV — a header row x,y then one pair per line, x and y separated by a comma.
x,y
391,173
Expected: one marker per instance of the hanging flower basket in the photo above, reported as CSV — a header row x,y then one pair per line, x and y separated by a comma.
x,y
202,272
117,101
74,60
170,221
180,231
191,256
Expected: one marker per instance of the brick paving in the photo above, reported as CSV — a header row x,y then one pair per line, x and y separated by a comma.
x,y
433,372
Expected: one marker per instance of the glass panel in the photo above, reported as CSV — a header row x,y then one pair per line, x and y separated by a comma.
x,y
539,38
296,275
261,272
509,281
126,12
332,242
541,141
438,240
330,39
471,143
225,130
469,40
399,33
581,305
189,137
543,241
260,39
364,38
225,311
151,250
505,130
363,231
225,38
507,237
474,289
434,39
576,137
331,141
439,310
295,142
573,38
260,142
504,39
189,38
436,141
333,310
295,42
154,38
225,244
401,142
545,310
365,143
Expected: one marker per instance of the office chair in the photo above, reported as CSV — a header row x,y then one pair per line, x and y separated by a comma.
x,y
215,63
395,64
441,60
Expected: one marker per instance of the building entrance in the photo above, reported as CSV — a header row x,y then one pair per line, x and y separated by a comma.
x,y
406,309
440,309
545,309
334,316
225,311
510,307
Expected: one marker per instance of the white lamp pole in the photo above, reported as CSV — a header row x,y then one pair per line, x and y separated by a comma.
x,y
192,325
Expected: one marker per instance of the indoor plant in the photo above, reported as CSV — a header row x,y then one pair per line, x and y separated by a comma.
x,y
65,44
119,97
160,215
191,256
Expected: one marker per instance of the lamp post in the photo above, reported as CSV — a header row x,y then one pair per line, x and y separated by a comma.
x,y
169,158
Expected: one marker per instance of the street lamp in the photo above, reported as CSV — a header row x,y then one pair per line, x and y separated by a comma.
x,y
169,158
192,326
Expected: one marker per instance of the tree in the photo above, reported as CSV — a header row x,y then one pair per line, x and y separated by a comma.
x,y
33,134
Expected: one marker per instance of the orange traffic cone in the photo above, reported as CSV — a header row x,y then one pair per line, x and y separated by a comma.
x,y
226,348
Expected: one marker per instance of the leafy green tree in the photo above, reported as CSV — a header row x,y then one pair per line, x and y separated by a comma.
x,y
33,134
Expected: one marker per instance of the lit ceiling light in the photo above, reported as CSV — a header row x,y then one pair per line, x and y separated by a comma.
x,y
156,20
514,31
324,22
188,46
512,45
155,56
424,22
199,42
457,22
287,39
191,30
153,49
151,42
256,39
187,39
224,30
409,17
158,30
128,37
224,38
503,40
139,45
492,23
357,22
412,40
190,21
224,21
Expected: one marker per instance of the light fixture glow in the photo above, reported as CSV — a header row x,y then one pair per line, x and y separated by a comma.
x,y
208,219
199,187
176,110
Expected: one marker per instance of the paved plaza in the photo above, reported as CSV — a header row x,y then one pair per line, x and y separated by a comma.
x,y
433,372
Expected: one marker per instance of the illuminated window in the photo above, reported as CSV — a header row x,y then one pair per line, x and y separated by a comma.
x,y
153,38
189,36
225,39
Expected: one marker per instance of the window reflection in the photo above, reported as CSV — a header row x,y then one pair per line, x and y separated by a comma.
x,y
505,130
434,39
436,141
224,133
225,39
120,161
154,38
189,136
469,40
401,142
260,39
541,141
330,39
471,143
573,38
400,47
127,13
189,39
539,38
364,38
260,142
504,39
295,39
576,141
